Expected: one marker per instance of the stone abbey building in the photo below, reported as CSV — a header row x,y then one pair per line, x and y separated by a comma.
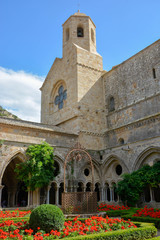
x,y
115,115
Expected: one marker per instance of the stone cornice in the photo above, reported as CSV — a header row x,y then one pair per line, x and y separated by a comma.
x,y
94,69
92,133
34,126
136,124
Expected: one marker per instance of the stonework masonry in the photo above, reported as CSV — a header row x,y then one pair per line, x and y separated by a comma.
x,y
115,115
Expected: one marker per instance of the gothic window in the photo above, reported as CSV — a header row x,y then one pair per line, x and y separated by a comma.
x,y
92,34
111,104
67,34
61,97
80,32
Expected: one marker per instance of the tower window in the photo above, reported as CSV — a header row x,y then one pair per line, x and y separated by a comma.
x,y
80,32
67,34
121,141
154,73
111,104
92,35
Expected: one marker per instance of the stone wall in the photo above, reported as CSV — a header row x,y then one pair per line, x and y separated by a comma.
x,y
137,94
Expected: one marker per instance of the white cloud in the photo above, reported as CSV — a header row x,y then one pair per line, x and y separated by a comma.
x,y
20,94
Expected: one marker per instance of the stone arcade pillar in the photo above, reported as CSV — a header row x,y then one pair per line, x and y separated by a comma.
x,y
102,194
1,187
48,190
151,194
57,195
111,194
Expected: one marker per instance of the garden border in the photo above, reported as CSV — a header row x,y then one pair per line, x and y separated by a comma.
x,y
146,230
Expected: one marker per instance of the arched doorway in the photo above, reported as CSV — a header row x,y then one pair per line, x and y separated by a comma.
x,y
114,193
80,187
88,187
52,193
108,193
13,192
21,195
97,191
61,190
43,195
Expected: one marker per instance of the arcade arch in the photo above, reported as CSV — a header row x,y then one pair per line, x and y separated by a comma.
x,y
13,192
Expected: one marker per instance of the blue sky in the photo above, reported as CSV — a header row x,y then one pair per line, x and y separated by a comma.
x,y
31,37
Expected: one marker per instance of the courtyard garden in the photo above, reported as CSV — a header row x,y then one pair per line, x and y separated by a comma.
x,y
129,223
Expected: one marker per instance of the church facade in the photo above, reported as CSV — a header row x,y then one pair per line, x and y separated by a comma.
x,y
115,115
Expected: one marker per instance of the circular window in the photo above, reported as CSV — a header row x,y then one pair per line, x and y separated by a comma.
x,y
86,172
119,170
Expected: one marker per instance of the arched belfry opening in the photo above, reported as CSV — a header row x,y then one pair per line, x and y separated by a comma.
x,y
14,192
80,32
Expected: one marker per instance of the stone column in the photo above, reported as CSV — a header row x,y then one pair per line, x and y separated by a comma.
x,y
101,194
111,196
28,198
1,187
151,194
106,194
57,195
48,189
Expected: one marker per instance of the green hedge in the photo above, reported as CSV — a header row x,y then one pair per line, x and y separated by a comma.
x,y
116,213
15,219
145,231
156,221
156,238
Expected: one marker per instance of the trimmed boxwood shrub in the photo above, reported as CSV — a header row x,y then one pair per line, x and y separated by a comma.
x,y
156,238
145,231
15,219
47,217
156,221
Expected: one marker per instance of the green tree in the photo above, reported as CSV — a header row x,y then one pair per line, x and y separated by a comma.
x,y
38,170
132,185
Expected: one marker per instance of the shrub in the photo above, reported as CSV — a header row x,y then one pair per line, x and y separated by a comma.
x,y
156,221
145,231
47,217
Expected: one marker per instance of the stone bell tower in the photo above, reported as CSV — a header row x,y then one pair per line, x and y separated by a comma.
x,y
73,91
80,30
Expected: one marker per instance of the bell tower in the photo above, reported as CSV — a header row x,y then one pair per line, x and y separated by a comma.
x,y
72,93
79,29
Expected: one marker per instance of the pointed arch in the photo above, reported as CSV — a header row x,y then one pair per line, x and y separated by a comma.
x,y
17,154
149,155
110,160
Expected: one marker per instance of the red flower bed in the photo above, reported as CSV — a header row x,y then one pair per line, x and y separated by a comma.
x,y
103,207
9,229
148,212
13,214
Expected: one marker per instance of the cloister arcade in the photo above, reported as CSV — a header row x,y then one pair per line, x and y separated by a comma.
x,y
13,193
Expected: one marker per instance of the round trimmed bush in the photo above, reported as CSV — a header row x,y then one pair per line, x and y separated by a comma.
x,y
47,217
